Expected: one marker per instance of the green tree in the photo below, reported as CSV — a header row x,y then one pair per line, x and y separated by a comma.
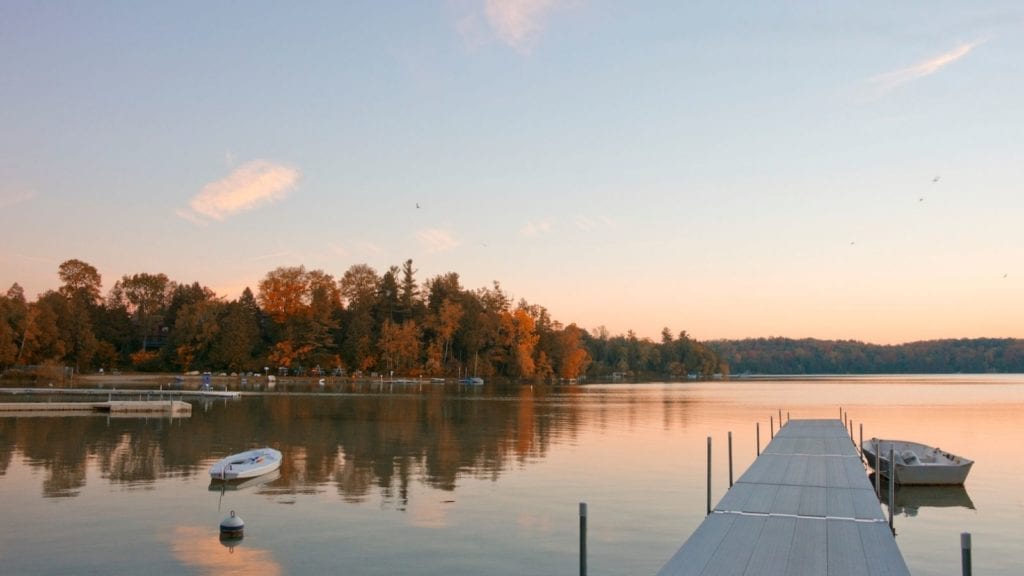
x,y
236,345
145,297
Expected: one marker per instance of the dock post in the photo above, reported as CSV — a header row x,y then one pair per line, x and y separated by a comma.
x,y
583,539
771,424
780,418
878,469
758,438
851,430
892,483
709,476
965,553
730,459
862,440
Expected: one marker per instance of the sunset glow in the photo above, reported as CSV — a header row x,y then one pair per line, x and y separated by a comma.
x,y
835,172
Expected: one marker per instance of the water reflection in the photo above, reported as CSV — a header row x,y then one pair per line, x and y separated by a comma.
x,y
364,444
910,499
202,549
225,485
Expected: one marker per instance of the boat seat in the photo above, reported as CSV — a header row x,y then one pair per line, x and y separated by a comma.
x,y
909,457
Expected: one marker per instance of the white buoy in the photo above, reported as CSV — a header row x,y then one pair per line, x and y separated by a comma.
x,y
232,526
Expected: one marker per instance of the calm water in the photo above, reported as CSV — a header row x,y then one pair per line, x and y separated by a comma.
x,y
439,479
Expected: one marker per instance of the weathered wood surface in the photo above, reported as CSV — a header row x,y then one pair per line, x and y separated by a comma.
x,y
805,506
116,407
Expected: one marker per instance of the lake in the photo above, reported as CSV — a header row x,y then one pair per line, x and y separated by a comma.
x,y
435,479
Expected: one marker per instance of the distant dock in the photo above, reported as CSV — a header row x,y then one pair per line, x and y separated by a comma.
x,y
804,507
171,408
111,392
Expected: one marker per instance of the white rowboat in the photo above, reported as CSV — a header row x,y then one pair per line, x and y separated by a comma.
x,y
916,464
247,464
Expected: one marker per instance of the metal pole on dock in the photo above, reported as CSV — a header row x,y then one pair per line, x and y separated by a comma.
x,y
965,553
758,438
771,424
583,539
780,418
892,483
730,459
851,430
878,469
862,440
709,476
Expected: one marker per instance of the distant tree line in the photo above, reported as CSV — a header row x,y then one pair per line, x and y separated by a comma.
x,y
307,322
810,356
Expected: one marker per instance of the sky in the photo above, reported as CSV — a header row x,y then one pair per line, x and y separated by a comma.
x,y
794,169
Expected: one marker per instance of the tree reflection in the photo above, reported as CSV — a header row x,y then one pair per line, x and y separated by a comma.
x,y
377,441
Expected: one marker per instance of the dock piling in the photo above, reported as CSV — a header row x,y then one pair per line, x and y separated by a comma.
x,y
709,476
730,459
965,553
758,438
583,539
878,469
892,483
771,426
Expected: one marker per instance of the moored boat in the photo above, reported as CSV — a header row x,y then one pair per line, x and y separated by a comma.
x,y
248,464
916,463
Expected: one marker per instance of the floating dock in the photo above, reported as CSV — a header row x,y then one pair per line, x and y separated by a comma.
x,y
111,392
171,408
804,507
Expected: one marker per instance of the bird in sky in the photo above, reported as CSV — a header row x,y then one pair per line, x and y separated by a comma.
x,y
934,180
921,199
417,205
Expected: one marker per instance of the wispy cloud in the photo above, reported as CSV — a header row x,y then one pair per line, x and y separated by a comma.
x,y
273,256
536,228
515,22
8,199
249,186
584,223
886,82
437,240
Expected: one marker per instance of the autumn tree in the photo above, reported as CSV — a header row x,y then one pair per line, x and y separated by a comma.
x,y
80,280
521,338
400,346
573,358
304,307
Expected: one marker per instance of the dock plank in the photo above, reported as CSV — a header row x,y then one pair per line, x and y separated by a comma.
x,y
804,506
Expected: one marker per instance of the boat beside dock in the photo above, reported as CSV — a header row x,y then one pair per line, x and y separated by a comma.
x,y
805,506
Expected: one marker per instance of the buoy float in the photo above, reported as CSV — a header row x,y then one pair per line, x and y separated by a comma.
x,y
232,526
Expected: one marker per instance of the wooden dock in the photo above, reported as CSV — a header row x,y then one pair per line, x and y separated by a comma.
x,y
171,408
805,506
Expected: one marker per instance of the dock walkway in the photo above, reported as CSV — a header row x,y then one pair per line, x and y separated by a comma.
x,y
172,408
805,506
